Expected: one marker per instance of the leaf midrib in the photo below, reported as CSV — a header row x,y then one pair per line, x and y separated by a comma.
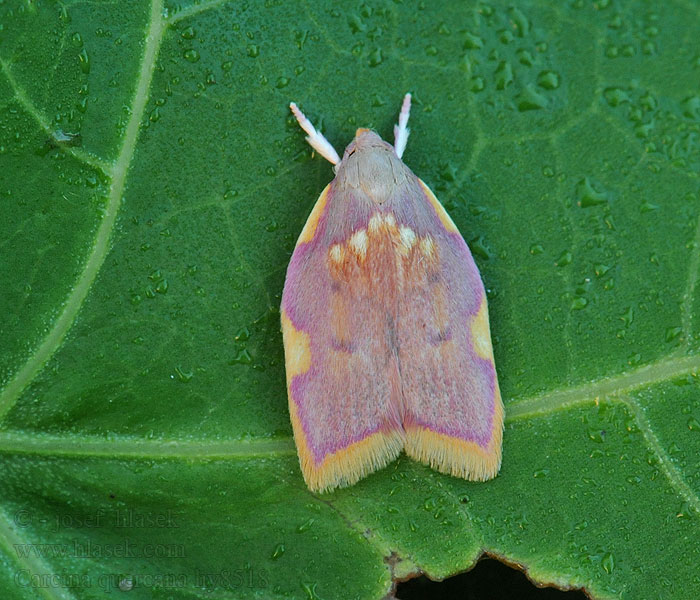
x,y
54,338
29,442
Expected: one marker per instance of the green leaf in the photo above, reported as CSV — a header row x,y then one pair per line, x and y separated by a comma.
x,y
153,185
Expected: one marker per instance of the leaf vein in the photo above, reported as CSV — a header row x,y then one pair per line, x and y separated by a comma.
x,y
652,373
29,562
147,449
79,154
54,338
667,466
687,306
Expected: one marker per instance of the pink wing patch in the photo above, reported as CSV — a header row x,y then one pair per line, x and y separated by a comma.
x,y
453,413
344,390
387,342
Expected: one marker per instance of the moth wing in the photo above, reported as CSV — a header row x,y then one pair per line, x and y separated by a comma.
x,y
453,413
342,378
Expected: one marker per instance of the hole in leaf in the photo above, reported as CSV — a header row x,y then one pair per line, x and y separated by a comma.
x,y
489,580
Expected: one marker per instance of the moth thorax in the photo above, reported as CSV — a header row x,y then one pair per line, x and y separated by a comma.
x,y
374,170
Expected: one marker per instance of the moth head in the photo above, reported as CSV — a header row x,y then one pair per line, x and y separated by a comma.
x,y
366,140
370,164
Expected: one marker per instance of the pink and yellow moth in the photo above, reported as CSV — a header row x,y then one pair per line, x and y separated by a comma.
x,y
385,326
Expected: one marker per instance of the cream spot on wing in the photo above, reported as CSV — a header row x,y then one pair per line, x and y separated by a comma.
x,y
375,222
358,243
297,349
427,246
337,253
408,237
481,336
389,220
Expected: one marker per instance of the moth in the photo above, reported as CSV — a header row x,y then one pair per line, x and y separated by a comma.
x,y
385,325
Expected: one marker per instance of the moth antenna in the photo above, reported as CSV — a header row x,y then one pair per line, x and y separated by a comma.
x,y
315,138
401,131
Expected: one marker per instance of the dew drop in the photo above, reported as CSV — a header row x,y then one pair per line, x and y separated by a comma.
x,y
84,61
615,96
579,303
478,84
615,22
278,551
253,51
306,525
520,22
480,249
612,51
608,563
525,58
649,47
549,80
627,317
375,57
588,196
693,424
596,435
310,589
355,24
430,504
242,358
530,99
472,42
183,375
691,107
504,75
673,333
191,55
505,36
242,335
634,359
564,259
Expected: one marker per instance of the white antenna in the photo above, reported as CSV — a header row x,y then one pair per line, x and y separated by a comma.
x,y
401,131
315,138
